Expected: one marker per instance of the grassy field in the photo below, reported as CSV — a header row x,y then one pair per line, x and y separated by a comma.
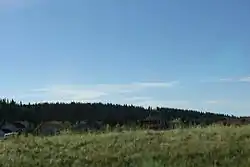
x,y
196,147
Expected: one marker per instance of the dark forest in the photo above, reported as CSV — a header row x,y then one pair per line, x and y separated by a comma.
x,y
111,114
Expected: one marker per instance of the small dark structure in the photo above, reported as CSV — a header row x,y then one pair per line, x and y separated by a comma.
x,y
233,121
20,126
6,130
49,128
88,125
154,122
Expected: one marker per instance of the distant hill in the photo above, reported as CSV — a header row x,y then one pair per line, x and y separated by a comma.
x,y
108,113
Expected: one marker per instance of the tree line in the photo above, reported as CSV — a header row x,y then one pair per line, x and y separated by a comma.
x,y
111,114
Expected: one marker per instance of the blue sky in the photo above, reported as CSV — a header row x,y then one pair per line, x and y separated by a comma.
x,y
184,54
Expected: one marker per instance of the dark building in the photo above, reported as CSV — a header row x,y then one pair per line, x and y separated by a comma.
x,y
154,122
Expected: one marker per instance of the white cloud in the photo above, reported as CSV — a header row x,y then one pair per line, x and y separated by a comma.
x,y
245,79
132,87
134,93
239,79
137,98
226,79
146,102
64,93
81,93
232,79
156,84
215,102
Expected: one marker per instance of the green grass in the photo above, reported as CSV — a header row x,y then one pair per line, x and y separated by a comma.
x,y
195,147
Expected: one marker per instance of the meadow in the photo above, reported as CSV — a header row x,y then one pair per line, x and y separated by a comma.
x,y
194,147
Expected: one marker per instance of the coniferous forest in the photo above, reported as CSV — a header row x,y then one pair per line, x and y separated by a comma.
x,y
111,114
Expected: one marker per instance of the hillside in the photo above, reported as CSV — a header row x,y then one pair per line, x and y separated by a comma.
x,y
111,114
211,146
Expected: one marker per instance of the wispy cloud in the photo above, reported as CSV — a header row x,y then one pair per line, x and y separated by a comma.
x,y
138,98
164,103
94,92
245,79
155,84
136,86
229,79
238,79
215,101
226,80
138,93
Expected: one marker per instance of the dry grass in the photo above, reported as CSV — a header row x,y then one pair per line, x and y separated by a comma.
x,y
196,147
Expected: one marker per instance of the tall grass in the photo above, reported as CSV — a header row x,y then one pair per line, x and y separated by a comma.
x,y
193,147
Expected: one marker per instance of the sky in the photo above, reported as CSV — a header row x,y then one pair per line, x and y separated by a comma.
x,y
170,53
